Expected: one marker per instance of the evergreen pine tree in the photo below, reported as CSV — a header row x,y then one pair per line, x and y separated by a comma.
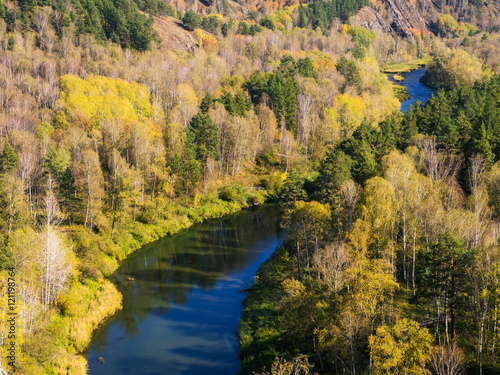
x,y
291,88
335,170
276,91
229,103
191,20
206,102
409,128
11,43
243,28
293,190
203,137
483,147
306,68
242,103
302,16
8,159
225,29
177,168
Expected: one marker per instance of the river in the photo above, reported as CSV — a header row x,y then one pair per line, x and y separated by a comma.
x,y
181,304
416,89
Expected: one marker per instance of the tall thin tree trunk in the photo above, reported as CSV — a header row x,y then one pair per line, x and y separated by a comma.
x,y
298,256
413,260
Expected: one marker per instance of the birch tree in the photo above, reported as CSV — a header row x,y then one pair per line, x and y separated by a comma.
x,y
92,182
332,263
54,256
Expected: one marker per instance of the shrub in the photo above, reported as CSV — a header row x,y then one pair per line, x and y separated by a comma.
x,y
258,198
234,192
273,182
191,20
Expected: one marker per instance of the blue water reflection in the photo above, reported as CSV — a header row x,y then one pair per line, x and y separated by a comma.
x,y
417,90
181,304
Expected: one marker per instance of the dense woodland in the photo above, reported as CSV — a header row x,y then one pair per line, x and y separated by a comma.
x,y
392,261
109,141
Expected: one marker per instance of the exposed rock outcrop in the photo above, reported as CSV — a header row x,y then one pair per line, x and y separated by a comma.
x,y
371,19
403,16
398,16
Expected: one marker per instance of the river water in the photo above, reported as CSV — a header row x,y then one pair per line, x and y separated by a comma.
x,y
417,90
181,304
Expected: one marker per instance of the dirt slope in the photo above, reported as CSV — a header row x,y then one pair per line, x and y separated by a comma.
x,y
174,35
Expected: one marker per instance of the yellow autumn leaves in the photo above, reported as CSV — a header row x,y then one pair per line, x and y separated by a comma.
x,y
349,111
374,102
105,98
404,348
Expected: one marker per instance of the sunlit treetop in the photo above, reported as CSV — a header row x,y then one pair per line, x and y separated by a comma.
x,y
104,97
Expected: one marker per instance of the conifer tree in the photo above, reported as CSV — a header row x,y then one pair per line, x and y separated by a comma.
x,y
306,68
206,102
8,159
335,170
293,190
483,147
191,20
202,137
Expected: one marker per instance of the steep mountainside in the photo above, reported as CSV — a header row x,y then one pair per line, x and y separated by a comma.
x,y
399,16
402,16
372,20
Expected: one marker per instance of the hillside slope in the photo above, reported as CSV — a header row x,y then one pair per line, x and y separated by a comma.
x,y
174,35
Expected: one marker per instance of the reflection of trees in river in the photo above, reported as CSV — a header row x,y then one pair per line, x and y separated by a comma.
x,y
166,271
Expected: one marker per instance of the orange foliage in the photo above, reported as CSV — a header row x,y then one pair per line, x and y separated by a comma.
x,y
208,42
421,34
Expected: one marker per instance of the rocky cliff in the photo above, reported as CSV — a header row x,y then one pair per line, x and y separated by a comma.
x,y
403,16
398,16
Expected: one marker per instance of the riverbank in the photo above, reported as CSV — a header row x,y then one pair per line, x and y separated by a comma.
x,y
91,300
260,333
397,74
400,92
411,88
406,66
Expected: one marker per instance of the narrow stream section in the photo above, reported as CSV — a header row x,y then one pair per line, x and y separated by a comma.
x,y
416,89
181,299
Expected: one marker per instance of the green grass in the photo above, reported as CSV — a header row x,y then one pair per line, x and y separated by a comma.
x,y
398,77
405,67
401,92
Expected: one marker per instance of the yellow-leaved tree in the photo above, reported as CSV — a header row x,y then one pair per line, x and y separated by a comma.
x,y
454,68
379,210
346,115
404,348
99,97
